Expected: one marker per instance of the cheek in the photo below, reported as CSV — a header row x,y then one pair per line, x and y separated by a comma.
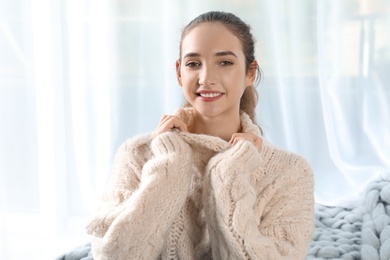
x,y
186,83
235,78
188,78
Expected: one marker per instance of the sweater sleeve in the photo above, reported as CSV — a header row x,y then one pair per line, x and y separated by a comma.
x,y
143,200
274,222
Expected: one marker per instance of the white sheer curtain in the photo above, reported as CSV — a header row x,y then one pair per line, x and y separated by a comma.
x,y
77,78
326,91
354,65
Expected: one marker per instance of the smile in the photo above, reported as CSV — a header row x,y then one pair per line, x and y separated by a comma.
x,y
210,95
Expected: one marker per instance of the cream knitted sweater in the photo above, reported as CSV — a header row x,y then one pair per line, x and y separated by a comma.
x,y
188,196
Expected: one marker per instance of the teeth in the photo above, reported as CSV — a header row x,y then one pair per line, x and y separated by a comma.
x,y
210,95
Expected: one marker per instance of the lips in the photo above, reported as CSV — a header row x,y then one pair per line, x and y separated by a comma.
x,y
209,96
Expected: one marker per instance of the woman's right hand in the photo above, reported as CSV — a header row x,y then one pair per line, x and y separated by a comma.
x,y
169,123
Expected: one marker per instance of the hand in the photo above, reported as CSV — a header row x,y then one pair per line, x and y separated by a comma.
x,y
254,139
169,123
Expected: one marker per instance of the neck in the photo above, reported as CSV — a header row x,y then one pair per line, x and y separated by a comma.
x,y
222,127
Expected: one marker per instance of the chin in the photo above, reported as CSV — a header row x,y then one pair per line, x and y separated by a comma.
x,y
207,112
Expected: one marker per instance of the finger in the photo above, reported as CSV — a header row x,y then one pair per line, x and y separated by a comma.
x,y
235,140
231,141
238,136
254,139
168,123
164,119
234,136
175,123
258,142
162,126
172,122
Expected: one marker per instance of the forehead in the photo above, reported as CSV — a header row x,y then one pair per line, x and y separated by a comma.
x,y
210,36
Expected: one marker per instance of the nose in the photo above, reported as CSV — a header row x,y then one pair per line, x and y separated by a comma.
x,y
207,77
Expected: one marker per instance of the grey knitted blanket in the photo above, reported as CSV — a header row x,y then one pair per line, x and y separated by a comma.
x,y
359,233
340,233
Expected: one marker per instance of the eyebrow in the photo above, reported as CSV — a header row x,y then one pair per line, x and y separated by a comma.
x,y
225,53
218,54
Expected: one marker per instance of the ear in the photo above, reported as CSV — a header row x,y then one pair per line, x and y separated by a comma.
x,y
178,74
251,75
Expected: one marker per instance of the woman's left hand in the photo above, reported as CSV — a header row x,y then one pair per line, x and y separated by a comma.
x,y
257,141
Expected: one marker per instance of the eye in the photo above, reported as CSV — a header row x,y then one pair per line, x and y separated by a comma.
x,y
226,63
193,64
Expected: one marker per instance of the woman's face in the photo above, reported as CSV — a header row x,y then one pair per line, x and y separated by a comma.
x,y
212,70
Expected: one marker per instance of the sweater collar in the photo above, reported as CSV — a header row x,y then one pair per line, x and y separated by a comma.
x,y
212,142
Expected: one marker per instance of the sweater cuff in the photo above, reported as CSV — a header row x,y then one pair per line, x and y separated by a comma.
x,y
243,155
168,142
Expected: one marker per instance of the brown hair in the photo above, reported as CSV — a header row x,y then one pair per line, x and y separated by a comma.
x,y
243,32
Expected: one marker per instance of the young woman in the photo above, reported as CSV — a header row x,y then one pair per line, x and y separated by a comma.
x,y
205,184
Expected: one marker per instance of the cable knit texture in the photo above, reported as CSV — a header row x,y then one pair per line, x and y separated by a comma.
x,y
361,232
188,196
